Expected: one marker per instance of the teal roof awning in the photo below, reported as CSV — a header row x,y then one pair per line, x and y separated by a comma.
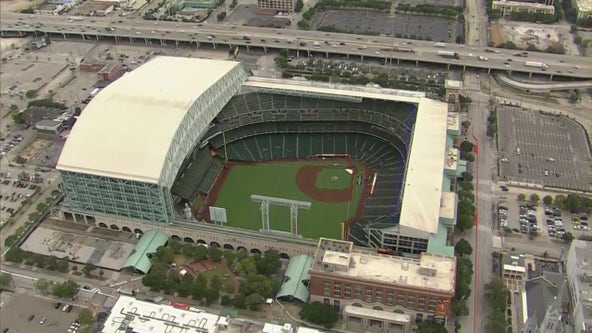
x,y
296,278
150,241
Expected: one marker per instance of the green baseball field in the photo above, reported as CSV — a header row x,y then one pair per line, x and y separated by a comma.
x,y
335,189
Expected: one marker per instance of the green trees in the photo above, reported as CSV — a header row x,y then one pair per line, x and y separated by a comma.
x,y
426,327
467,176
464,276
5,280
88,269
67,289
464,222
497,295
51,263
209,287
299,6
575,203
466,146
548,200
86,317
269,263
535,198
463,247
320,314
521,197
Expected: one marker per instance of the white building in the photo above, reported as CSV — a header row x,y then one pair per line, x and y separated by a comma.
x,y
131,315
579,276
508,7
583,8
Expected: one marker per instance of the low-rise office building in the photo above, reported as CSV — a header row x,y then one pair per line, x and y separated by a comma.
x,y
579,276
583,9
420,288
508,7
514,272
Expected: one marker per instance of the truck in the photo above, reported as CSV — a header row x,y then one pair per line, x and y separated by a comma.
x,y
536,64
439,44
449,54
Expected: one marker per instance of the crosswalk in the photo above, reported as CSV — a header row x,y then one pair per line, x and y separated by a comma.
x,y
485,196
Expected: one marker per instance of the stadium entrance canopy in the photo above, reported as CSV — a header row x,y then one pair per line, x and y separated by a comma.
x,y
296,279
140,259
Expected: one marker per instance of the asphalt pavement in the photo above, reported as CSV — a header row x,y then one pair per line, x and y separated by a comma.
x,y
310,41
542,149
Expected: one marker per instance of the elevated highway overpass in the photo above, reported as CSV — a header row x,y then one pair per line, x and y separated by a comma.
x,y
544,87
301,42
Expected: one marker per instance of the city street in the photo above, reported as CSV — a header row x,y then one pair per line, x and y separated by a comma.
x,y
481,236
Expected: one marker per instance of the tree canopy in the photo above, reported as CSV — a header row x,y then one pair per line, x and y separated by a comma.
x,y
320,314
67,289
463,247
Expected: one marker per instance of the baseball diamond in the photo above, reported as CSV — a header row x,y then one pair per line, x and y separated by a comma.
x,y
311,180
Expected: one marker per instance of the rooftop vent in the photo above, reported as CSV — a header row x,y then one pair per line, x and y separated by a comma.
x,y
403,279
405,266
363,260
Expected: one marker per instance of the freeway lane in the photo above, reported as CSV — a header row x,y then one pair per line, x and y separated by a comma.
x,y
300,41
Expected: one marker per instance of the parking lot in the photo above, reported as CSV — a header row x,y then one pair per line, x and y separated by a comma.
x,y
542,149
17,311
545,223
440,29
246,14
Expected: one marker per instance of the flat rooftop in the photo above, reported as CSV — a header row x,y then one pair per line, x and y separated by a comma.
x,y
101,252
584,5
453,84
147,317
451,159
453,121
447,205
337,90
422,189
151,317
338,258
360,312
522,3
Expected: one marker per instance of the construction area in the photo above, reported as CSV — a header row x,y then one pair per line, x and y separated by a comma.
x,y
77,244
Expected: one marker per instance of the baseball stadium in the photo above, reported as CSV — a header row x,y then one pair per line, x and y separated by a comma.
x,y
204,146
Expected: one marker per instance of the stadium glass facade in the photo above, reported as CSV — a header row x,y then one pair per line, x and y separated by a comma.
x,y
132,199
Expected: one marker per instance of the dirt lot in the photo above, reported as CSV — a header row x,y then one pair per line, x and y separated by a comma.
x,y
586,37
36,148
16,5
539,35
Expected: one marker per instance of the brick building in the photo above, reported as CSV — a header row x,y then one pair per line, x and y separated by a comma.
x,y
421,288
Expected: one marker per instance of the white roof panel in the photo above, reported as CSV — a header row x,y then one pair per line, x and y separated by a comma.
x,y
127,129
422,190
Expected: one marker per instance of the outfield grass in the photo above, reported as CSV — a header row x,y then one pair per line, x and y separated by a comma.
x,y
278,179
